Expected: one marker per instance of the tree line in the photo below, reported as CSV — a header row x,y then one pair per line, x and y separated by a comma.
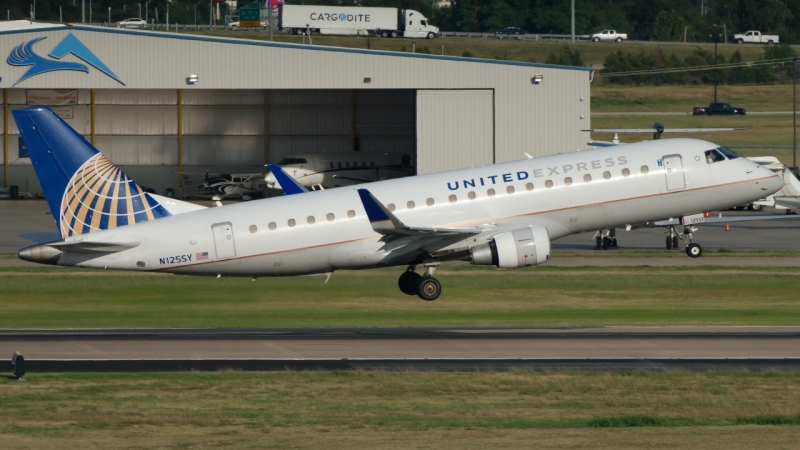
x,y
661,20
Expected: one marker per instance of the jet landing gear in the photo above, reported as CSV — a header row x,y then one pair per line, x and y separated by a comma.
x,y
605,239
693,250
425,286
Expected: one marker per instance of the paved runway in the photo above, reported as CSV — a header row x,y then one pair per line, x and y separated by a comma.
x,y
643,348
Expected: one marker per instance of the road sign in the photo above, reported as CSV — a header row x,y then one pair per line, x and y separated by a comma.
x,y
250,16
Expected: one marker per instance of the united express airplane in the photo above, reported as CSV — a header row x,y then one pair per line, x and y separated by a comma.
x,y
504,215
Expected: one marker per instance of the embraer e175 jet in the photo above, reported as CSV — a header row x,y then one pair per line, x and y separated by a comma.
x,y
504,215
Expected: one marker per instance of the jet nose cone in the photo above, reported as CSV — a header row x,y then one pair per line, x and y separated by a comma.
x,y
40,253
773,183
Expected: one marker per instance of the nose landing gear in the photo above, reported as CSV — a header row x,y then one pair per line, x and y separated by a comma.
x,y
425,286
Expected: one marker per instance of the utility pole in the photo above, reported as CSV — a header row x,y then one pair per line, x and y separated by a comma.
x,y
83,11
794,116
573,21
140,10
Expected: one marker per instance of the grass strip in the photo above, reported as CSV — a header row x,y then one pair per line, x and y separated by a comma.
x,y
51,297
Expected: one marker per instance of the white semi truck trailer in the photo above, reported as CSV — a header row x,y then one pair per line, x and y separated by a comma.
x,y
352,20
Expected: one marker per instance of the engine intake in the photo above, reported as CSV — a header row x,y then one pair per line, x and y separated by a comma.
x,y
527,246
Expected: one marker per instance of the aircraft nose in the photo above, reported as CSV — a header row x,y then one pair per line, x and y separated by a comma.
x,y
773,182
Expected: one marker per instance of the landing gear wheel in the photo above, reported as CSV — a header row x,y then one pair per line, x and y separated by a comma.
x,y
613,242
694,250
606,243
669,242
429,289
408,282
755,207
598,243
675,242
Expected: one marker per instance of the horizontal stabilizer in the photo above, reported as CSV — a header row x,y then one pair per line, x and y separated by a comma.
x,y
93,247
289,185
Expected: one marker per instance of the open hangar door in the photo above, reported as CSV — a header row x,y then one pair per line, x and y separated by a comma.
x,y
339,120
455,129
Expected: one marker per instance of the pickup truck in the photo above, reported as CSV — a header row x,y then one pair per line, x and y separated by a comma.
x,y
609,36
717,108
755,37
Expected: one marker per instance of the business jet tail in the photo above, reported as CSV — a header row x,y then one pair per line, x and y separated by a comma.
x,y
84,190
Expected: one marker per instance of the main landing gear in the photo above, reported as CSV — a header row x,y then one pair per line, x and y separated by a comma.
x,y
425,286
692,250
605,239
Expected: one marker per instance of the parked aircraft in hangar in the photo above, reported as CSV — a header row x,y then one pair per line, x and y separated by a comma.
x,y
504,215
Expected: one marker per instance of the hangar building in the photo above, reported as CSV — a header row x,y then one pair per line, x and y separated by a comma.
x,y
157,103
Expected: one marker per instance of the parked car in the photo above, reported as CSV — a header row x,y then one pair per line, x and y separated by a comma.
x,y
132,23
755,37
608,36
717,108
511,32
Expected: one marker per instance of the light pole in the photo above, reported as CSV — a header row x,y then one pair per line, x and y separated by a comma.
x,y
90,11
573,21
140,10
145,10
715,38
167,16
794,116
83,11
109,15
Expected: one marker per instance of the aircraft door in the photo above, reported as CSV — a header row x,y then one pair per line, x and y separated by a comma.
x,y
673,166
223,240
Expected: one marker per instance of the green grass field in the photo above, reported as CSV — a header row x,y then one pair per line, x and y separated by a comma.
x,y
359,409
473,296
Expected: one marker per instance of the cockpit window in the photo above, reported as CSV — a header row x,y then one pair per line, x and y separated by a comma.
x,y
730,154
289,161
713,156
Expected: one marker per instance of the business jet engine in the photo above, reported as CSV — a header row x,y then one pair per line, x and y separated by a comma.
x,y
523,247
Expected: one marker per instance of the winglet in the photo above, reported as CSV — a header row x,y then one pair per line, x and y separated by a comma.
x,y
379,216
289,185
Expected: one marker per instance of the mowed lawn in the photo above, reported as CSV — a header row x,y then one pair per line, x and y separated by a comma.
x,y
472,296
363,409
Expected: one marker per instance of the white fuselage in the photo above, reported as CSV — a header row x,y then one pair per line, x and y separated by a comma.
x,y
328,230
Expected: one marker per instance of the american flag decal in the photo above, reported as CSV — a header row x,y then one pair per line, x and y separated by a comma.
x,y
201,256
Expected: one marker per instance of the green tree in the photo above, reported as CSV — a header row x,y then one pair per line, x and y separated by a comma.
x,y
740,75
669,26
566,57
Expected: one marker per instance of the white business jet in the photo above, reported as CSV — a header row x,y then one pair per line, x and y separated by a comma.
x,y
503,215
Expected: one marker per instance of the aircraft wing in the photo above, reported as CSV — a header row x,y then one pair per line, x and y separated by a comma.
x,y
665,130
289,185
677,221
387,224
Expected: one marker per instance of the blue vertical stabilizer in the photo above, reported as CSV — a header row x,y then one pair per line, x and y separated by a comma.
x,y
84,190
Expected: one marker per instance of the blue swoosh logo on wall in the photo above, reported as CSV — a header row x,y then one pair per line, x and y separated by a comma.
x,y
23,55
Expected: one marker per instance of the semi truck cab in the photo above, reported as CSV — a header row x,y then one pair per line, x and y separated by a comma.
x,y
415,25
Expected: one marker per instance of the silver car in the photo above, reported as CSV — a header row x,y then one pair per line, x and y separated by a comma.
x,y
132,23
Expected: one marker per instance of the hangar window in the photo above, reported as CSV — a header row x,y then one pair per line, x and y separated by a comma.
x,y
273,225
340,164
410,204
390,206
331,165
471,195
510,189
568,181
529,186
587,178
548,183
625,172
645,169
490,192
429,202
606,175
330,217
452,198
292,222
347,163
310,220
351,214
253,228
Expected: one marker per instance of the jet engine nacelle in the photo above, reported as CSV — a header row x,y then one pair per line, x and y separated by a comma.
x,y
527,246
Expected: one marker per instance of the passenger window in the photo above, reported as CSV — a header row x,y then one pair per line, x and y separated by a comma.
x,y
587,178
510,189
410,204
330,217
568,181
490,192
645,169
390,206
452,198
529,186
310,220
273,225
625,172
606,175
429,202
548,183
471,195
351,214
292,222
253,228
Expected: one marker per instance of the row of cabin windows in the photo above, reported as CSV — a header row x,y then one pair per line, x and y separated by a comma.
x,y
346,165
452,198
